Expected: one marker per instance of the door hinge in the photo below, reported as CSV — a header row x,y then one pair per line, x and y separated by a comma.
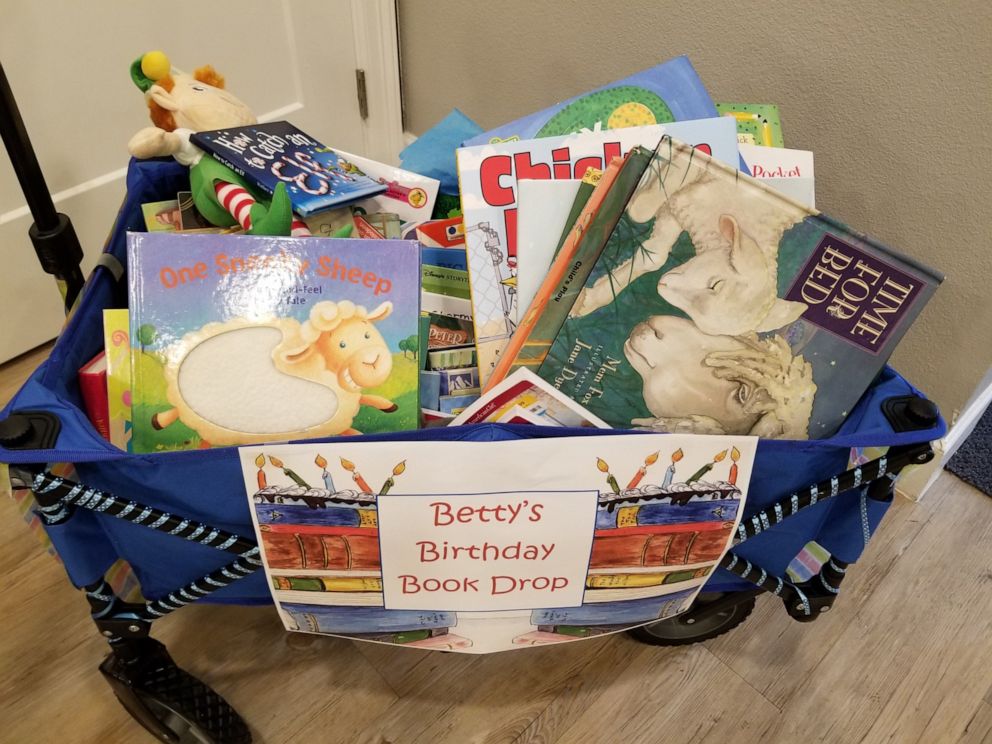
x,y
363,96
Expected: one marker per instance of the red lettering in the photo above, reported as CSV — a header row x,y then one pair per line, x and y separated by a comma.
x,y
490,172
526,169
584,164
703,147
510,223
610,150
562,164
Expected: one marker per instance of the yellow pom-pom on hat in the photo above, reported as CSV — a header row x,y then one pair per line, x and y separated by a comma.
x,y
149,68
155,64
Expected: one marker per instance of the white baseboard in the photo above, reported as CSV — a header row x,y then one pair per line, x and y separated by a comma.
x,y
917,480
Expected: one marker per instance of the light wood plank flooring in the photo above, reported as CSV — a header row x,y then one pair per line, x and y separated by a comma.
x,y
905,657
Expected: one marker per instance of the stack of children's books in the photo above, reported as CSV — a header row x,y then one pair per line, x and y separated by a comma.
x,y
636,257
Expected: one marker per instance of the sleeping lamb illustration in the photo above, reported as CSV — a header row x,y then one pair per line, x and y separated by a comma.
x,y
705,384
247,382
730,286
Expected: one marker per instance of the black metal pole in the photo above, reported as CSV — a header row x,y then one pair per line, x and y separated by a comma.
x,y
52,233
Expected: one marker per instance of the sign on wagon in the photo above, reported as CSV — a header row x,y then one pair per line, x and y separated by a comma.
x,y
488,546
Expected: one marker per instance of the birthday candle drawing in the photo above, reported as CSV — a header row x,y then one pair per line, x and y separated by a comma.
x,y
355,475
735,455
297,479
260,462
321,463
670,472
398,470
643,470
603,467
707,467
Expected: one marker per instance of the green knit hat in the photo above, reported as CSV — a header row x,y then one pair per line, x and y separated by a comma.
x,y
149,68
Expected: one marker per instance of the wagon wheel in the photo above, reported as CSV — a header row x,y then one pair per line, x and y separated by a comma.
x,y
695,625
172,704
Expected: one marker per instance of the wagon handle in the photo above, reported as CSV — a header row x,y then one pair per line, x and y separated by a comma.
x,y
52,234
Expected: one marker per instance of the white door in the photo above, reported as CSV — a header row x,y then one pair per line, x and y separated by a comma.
x,y
67,63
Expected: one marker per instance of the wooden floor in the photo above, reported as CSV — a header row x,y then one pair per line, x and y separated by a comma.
x,y
905,656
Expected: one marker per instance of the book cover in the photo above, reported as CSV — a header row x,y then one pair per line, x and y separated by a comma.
x,y
487,176
720,305
408,195
757,123
316,177
562,283
161,216
93,387
117,345
785,170
671,91
244,339
542,215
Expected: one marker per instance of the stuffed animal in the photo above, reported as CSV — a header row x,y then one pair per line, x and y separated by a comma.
x,y
179,105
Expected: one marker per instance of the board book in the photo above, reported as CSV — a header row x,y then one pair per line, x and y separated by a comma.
x,y
245,339
757,123
720,305
487,176
316,177
671,91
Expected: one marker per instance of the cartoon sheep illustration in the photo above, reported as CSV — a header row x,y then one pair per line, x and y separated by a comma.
x,y
730,286
248,382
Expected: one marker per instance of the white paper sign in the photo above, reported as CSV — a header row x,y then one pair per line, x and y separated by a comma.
x,y
506,551
482,546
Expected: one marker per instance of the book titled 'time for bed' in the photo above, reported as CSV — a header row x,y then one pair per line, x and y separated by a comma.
x,y
243,339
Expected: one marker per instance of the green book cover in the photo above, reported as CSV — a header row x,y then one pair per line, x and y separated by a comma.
x,y
720,306
586,188
757,123
553,308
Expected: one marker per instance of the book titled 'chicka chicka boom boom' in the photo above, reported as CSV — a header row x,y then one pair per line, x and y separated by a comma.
x,y
243,339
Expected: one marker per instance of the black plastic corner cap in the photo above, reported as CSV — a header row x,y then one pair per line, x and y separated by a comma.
x,y
910,413
28,430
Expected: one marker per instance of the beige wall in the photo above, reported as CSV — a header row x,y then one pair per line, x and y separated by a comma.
x,y
895,99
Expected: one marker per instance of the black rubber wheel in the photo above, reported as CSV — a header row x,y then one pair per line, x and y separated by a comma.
x,y
688,628
172,704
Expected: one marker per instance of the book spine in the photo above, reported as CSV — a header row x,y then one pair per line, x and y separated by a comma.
x,y
510,358
93,388
326,619
322,552
613,613
659,549
328,583
639,580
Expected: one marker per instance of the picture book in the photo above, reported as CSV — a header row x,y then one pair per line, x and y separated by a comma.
x,y
544,316
92,378
316,177
720,305
484,546
542,211
161,216
523,397
488,176
757,123
408,195
787,171
671,91
243,339
117,345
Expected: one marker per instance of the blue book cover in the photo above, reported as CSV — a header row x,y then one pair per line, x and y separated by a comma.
x,y
316,177
326,619
239,339
671,91
615,613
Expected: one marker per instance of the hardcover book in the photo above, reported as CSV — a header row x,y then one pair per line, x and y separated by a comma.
x,y
244,339
487,176
721,306
543,318
757,123
671,91
316,177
